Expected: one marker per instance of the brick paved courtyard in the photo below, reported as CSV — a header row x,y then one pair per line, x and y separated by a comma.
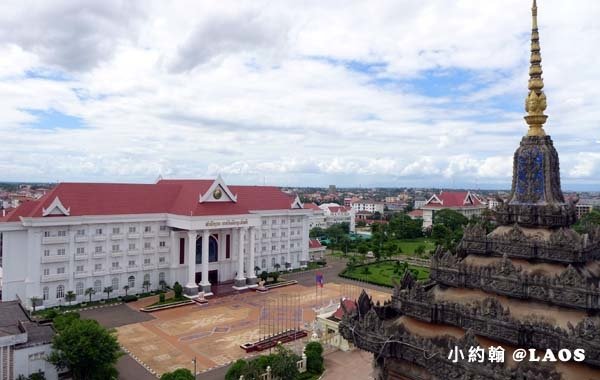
x,y
213,333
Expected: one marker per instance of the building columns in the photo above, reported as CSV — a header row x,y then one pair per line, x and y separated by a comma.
x,y
191,288
240,280
251,280
205,284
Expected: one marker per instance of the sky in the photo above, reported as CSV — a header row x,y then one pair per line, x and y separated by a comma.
x,y
426,93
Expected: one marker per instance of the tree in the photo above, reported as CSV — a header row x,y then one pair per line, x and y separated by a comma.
x,y
236,370
256,269
39,375
284,364
275,276
587,221
162,284
314,357
363,248
454,220
179,374
360,224
316,232
277,266
70,296
108,290
178,290
90,292
86,349
146,285
34,302
264,275
61,321
401,226
126,289
420,250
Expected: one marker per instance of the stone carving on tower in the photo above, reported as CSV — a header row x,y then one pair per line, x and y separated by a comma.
x,y
531,283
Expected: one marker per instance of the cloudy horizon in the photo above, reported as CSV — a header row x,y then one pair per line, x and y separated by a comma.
x,y
392,93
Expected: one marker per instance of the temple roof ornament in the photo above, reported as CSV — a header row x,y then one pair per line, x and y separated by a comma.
x,y
535,103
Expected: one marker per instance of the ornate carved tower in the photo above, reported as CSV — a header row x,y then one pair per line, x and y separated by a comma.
x,y
531,283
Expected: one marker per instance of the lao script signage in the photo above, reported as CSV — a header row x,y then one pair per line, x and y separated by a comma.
x,y
227,223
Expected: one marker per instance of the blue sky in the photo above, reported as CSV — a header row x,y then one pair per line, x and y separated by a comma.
x,y
392,93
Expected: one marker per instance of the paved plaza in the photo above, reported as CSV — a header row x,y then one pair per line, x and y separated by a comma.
x,y
212,333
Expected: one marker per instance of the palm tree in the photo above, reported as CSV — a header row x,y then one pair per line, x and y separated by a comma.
x,y
70,297
277,266
126,288
163,285
90,292
256,269
146,285
108,290
34,301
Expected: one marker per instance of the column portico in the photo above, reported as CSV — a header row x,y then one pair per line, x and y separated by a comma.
x,y
205,284
240,279
251,280
191,288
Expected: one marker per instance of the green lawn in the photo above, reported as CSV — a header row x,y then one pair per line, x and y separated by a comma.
x,y
381,273
408,246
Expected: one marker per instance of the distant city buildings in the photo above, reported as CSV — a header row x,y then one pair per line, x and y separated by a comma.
x,y
463,202
328,214
371,206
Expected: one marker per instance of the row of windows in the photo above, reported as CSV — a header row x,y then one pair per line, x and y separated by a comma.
x,y
100,231
98,248
283,221
282,262
282,234
98,286
98,266
274,247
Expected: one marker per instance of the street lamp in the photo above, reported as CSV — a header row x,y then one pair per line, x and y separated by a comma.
x,y
194,361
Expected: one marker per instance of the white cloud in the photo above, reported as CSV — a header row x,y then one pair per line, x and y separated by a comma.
x,y
258,89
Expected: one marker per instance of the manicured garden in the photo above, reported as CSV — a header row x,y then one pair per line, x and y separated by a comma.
x,y
410,246
382,272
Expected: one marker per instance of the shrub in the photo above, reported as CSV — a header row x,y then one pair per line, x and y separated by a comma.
x,y
236,370
275,276
178,289
314,357
161,297
264,275
178,374
130,298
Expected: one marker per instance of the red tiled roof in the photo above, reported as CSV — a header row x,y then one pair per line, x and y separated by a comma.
x,y
416,213
167,196
339,209
339,313
314,244
312,206
449,199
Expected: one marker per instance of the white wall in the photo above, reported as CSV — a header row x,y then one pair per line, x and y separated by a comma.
x,y
26,365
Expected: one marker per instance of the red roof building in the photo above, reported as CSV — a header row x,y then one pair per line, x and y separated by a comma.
x,y
464,202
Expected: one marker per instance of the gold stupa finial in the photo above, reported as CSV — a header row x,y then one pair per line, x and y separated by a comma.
x,y
535,103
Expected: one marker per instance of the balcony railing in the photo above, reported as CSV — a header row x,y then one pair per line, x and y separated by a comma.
x,y
117,270
163,265
54,277
133,268
55,259
99,272
83,274
118,253
54,240
149,251
99,237
82,256
149,234
117,236
163,249
163,233
133,252
99,255
81,238
133,235
149,266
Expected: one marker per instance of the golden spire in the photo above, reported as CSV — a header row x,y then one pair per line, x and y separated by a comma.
x,y
535,103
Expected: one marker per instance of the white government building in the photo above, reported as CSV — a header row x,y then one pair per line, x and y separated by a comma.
x,y
95,235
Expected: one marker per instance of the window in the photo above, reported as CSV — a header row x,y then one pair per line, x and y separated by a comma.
x,y
273,261
147,245
163,228
62,233
98,231
46,233
162,244
115,265
80,250
161,259
292,232
132,246
282,260
146,278
115,248
273,221
97,286
282,233
146,261
181,250
98,249
97,267
227,246
131,229
45,293
115,283
263,264
46,252
264,248
264,222
79,288
273,234
283,221
291,245
46,272
273,247
60,291
131,282
131,263
116,230
79,268
80,233
60,270
161,278
147,229
61,251
283,247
